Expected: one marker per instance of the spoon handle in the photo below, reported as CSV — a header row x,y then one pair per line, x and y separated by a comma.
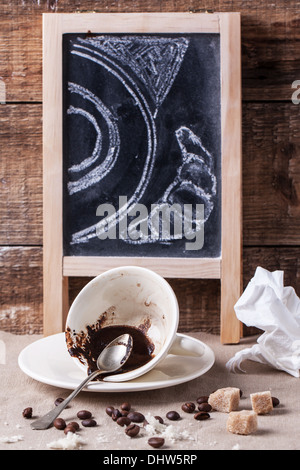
x,y
46,421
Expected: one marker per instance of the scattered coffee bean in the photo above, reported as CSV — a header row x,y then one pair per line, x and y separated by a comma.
x,y
156,442
69,428
123,421
124,412
275,401
116,414
126,407
203,399
89,423
84,414
132,430
136,417
58,401
109,410
59,423
201,415
188,407
205,407
27,413
74,425
159,419
173,415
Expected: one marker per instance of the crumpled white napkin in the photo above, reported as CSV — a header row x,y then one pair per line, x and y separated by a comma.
x,y
268,305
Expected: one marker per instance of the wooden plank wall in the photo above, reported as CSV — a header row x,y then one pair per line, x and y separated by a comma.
x,y
271,152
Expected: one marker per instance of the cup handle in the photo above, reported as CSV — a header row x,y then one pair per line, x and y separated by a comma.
x,y
182,346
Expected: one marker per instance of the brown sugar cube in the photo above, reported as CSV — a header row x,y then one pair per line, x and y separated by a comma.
x,y
225,399
261,402
242,422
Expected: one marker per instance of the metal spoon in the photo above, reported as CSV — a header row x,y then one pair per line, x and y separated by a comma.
x,y
112,358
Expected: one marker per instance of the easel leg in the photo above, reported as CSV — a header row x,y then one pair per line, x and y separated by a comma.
x,y
231,327
55,303
65,300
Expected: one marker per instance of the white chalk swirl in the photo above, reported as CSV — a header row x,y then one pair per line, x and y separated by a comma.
x,y
101,170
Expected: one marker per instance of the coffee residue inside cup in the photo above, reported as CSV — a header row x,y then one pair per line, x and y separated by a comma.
x,y
88,347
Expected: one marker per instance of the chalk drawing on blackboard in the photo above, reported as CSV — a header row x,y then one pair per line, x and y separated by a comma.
x,y
155,60
147,67
107,164
194,175
97,150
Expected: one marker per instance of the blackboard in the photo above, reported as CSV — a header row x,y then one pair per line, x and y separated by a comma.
x,y
142,111
141,121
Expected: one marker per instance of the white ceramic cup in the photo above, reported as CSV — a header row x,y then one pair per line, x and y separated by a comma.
x,y
131,296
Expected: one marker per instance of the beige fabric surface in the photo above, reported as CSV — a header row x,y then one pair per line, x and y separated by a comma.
x,y
279,430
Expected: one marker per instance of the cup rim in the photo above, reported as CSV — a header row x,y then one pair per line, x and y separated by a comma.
x,y
169,338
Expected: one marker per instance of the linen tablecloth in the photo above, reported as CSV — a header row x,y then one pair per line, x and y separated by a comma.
x,y
278,430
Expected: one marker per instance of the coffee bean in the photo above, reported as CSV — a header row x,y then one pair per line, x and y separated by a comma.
x,y
275,401
136,417
173,415
109,410
126,407
69,429
123,421
156,442
27,413
132,430
159,419
201,415
204,407
58,401
84,414
188,407
59,423
116,414
74,425
203,399
124,412
89,423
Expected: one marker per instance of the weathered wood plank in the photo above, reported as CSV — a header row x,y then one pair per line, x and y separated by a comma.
x,y
199,300
271,183
271,174
21,175
270,41
21,290
271,178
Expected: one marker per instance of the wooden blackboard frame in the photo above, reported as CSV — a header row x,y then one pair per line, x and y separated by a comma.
x,y
57,268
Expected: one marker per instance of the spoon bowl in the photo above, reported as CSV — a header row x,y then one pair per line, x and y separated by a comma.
x,y
115,354
111,359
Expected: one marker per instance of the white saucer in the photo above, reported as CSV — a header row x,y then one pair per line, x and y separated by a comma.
x,y
48,361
